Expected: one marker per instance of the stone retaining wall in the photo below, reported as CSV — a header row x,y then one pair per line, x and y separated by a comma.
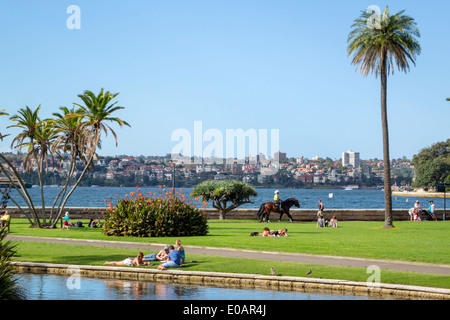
x,y
241,281
303,215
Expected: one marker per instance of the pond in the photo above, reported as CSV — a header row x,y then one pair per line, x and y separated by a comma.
x,y
57,287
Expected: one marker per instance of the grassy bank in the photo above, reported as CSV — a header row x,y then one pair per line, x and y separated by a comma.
x,y
410,241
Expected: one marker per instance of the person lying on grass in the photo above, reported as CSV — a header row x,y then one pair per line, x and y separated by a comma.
x,y
271,233
138,261
279,233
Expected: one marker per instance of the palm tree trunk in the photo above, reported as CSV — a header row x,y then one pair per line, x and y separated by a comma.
x,y
388,223
61,207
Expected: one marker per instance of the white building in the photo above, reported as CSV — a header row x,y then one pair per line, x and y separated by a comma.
x,y
350,158
302,161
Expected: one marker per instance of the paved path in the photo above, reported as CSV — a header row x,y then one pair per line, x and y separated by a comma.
x,y
439,269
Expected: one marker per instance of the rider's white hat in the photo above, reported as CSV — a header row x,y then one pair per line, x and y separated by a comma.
x,y
276,191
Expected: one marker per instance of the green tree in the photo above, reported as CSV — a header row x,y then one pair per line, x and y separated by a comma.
x,y
223,192
432,164
378,43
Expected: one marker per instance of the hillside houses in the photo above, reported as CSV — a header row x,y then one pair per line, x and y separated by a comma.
x,y
293,172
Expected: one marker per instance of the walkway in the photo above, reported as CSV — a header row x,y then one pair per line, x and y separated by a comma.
x,y
439,269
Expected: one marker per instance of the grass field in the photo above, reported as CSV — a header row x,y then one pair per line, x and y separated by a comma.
x,y
410,241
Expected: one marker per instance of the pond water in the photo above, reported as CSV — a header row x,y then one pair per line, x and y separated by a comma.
x,y
57,287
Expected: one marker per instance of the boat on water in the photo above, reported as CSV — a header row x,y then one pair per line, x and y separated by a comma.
x,y
351,187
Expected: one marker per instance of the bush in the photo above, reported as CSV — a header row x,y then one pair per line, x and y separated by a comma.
x,y
9,289
169,216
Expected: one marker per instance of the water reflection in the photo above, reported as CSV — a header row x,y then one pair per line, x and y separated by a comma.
x,y
137,290
54,287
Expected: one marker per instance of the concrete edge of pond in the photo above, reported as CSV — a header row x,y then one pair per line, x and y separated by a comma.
x,y
282,283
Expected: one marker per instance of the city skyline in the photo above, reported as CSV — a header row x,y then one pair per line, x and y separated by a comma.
x,y
258,65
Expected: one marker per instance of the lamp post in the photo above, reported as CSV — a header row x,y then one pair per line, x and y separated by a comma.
x,y
441,187
173,174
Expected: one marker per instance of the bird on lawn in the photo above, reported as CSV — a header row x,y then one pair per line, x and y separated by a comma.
x,y
309,272
272,270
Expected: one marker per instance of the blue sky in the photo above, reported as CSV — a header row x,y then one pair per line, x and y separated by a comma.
x,y
253,64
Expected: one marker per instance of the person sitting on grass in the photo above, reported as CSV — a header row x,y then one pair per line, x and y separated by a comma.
x,y
138,261
333,222
321,222
160,256
173,259
5,219
181,249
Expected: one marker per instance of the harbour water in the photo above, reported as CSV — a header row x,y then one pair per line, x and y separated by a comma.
x,y
308,198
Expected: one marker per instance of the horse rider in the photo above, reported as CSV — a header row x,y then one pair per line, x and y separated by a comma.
x,y
277,200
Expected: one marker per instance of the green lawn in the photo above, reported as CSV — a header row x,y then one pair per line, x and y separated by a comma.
x,y
410,241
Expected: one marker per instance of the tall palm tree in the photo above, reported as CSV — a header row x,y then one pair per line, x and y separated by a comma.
x,y
96,112
39,154
378,44
28,121
70,143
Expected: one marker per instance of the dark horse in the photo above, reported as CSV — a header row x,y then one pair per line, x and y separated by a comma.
x,y
268,207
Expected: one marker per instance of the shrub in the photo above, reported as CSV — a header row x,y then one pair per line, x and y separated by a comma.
x,y
169,216
9,289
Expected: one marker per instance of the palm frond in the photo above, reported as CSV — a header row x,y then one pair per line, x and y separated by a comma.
x,y
394,37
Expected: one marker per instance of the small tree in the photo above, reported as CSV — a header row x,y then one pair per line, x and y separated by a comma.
x,y
223,192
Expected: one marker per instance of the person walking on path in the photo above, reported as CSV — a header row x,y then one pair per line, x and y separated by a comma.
x,y
431,209
321,208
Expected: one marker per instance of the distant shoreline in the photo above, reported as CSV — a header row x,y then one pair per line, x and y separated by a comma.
x,y
419,194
